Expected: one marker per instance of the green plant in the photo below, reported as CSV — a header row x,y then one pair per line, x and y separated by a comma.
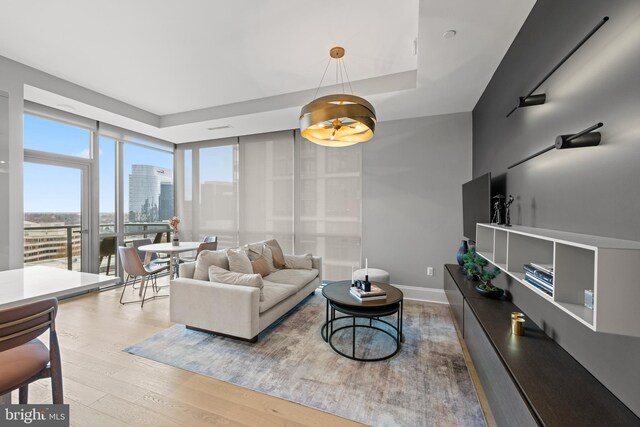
x,y
474,266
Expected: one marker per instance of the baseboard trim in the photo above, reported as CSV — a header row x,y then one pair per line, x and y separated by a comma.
x,y
414,293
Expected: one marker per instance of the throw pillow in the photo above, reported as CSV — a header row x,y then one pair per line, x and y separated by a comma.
x,y
303,262
257,250
260,266
278,256
239,261
207,259
220,275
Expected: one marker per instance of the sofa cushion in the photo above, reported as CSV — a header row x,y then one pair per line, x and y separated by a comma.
x,y
220,275
278,256
296,277
303,262
239,261
255,250
207,259
275,293
260,266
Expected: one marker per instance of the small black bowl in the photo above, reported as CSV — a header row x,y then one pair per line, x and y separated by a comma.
x,y
490,294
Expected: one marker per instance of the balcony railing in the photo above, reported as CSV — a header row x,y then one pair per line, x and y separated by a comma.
x,y
60,245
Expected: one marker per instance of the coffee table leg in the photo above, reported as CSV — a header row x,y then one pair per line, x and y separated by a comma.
x,y
326,323
399,325
333,317
353,349
401,316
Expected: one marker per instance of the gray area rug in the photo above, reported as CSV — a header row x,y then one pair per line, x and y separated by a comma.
x,y
425,384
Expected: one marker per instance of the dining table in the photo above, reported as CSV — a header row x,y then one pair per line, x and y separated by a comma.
x,y
170,249
34,283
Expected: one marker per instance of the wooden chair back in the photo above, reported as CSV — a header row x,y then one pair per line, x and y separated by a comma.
x,y
19,325
207,246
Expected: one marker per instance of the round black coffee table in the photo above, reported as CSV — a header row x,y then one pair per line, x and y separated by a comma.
x,y
339,299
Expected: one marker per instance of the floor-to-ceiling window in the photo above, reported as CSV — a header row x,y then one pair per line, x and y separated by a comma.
x,y
266,189
148,190
89,187
328,200
275,185
218,193
107,205
58,161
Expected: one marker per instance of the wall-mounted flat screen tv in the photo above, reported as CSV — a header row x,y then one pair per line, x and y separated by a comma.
x,y
476,204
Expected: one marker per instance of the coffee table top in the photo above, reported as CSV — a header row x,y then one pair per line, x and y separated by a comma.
x,y
339,292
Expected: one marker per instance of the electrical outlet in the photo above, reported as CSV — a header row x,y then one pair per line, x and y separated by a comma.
x,y
429,271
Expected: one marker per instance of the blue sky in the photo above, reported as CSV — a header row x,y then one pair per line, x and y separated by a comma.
x,y
57,189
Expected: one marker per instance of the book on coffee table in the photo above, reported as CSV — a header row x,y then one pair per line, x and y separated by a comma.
x,y
378,297
374,294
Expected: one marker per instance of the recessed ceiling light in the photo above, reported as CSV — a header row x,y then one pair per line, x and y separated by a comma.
x,y
220,127
66,107
449,34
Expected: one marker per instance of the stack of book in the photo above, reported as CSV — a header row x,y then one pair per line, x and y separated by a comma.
x,y
374,294
540,276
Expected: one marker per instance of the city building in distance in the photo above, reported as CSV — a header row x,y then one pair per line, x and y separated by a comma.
x,y
150,193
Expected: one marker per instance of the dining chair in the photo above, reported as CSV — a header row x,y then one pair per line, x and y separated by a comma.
x,y
204,246
132,265
154,256
23,357
210,239
107,249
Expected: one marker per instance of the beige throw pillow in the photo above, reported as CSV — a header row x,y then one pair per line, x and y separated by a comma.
x,y
278,256
220,275
239,261
256,250
303,262
207,259
260,266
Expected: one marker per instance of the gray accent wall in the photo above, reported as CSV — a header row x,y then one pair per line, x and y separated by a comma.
x,y
590,190
413,171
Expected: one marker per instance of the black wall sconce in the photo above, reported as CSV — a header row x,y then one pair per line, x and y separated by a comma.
x,y
585,138
530,99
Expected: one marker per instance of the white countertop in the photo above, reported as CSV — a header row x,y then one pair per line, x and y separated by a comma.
x,y
38,282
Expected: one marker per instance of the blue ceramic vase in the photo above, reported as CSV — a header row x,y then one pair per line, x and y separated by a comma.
x,y
461,251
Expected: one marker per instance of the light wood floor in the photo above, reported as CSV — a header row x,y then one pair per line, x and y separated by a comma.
x,y
108,387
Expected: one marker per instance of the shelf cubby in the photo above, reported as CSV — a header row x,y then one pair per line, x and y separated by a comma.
x,y
574,273
500,249
580,262
484,242
525,249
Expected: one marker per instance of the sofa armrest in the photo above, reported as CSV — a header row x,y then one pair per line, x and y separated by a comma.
x,y
217,307
187,270
317,264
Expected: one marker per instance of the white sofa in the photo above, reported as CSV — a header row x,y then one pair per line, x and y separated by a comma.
x,y
237,311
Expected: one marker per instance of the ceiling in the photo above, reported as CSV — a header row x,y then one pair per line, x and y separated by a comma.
x,y
250,65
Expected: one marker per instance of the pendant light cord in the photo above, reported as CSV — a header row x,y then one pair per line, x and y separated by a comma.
x,y
347,75
322,79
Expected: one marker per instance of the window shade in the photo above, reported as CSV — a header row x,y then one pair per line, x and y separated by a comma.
x,y
266,188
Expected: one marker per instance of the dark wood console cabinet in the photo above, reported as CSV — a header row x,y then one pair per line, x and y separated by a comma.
x,y
528,380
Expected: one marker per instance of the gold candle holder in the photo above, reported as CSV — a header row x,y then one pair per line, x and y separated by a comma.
x,y
517,325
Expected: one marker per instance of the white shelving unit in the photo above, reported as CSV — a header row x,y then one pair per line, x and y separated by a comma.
x,y
605,265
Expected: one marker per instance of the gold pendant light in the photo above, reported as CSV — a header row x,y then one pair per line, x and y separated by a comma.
x,y
337,120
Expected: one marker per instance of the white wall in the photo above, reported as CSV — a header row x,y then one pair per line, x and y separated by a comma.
x,y
413,171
